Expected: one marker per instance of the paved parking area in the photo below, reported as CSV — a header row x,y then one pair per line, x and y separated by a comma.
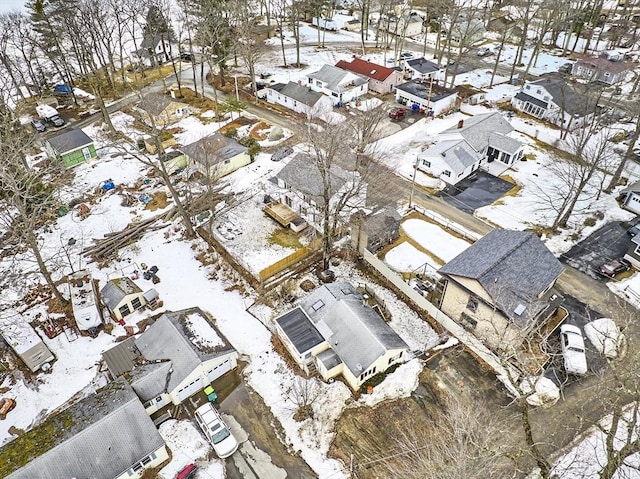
x,y
478,190
609,242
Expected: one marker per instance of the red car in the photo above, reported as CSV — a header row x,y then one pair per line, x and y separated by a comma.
x,y
613,267
187,472
397,113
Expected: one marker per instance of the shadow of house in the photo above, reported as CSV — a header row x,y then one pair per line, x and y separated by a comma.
x,y
500,287
177,356
334,333
72,147
107,434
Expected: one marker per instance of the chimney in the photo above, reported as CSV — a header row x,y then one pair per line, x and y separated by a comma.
x,y
460,124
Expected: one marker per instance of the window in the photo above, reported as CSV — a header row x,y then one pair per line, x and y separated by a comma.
x,y
317,305
124,310
446,173
137,467
136,303
146,461
472,304
226,162
467,320
528,87
426,163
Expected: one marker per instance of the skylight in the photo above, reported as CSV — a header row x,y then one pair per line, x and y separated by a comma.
x,y
317,305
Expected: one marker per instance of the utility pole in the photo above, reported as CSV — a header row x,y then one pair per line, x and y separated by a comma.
x,y
413,181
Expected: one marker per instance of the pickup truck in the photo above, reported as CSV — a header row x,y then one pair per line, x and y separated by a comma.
x,y
397,113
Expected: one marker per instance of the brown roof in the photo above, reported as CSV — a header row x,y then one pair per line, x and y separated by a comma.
x,y
368,69
602,64
155,103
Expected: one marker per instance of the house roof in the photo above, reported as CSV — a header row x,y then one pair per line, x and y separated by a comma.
x,y
68,141
302,174
478,128
177,336
151,41
155,103
334,76
149,380
300,93
565,96
356,332
422,65
122,357
116,290
170,155
514,268
602,64
504,143
456,153
329,358
368,69
522,96
213,149
300,331
632,188
421,90
99,436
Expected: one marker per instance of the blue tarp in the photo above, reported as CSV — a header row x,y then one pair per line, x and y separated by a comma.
x,y
62,89
109,185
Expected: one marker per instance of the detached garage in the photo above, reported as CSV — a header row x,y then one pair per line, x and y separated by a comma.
x,y
176,357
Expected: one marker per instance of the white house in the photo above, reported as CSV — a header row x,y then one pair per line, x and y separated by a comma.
x,y
426,96
301,189
472,143
334,333
554,100
630,198
423,69
341,85
178,355
122,297
155,50
404,24
107,434
299,98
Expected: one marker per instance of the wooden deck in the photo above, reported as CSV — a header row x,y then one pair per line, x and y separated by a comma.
x,y
281,213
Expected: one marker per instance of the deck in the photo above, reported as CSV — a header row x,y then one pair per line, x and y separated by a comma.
x,y
281,213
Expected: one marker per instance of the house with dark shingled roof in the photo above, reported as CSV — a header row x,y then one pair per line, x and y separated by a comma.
x,y
501,287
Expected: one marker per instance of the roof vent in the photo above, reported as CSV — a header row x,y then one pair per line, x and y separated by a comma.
x,y
359,367
519,309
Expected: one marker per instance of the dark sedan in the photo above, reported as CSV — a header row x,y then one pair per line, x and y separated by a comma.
x,y
613,267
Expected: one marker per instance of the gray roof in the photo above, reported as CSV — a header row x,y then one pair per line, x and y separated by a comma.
x,y
332,76
477,129
422,65
566,97
151,41
514,267
504,143
122,357
456,153
329,359
155,103
149,380
101,436
213,149
421,90
116,289
632,188
68,141
357,334
522,96
300,331
302,174
303,94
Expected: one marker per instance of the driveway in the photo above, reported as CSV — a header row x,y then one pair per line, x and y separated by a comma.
x,y
478,190
609,242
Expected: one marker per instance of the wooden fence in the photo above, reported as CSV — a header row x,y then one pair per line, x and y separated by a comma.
x,y
290,260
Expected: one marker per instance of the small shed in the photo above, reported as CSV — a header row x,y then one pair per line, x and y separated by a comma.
x,y
72,147
122,297
25,342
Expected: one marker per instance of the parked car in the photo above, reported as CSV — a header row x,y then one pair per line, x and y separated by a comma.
x,y
56,120
484,51
216,431
575,360
187,57
613,267
281,153
38,125
406,55
397,113
565,68
6,406
187,472
634,229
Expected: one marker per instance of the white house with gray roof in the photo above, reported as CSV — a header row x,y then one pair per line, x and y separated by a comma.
x,y
500,288
180,354
334,332
554,100
216,155
426,96
122,297
464,148
106,435
299,98
340,85
301,189
423,69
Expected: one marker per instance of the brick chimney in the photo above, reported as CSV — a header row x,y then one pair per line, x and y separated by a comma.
x,y
460,124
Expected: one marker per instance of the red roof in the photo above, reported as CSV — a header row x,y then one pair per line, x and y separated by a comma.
x,y
368,69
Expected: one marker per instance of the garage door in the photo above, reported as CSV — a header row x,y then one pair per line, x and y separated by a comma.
x,y
219,370
190,389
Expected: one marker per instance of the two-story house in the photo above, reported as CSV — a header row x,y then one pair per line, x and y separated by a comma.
x,y
334,333
341,85
381,79
423,69
462,149
600,69
501,287
554,100
155,50
302,189
406,24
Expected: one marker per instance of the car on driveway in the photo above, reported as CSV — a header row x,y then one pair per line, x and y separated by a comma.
x,y
38,125
397,113
406,55
613,267
572,342
187,472
484,51
216,431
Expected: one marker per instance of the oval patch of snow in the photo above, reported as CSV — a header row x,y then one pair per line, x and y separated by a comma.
x,y
605,336
542,391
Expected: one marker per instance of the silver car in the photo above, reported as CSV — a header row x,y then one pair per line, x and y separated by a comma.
x,y
216,431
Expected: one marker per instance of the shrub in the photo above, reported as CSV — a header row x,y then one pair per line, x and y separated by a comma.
x,y
252,144
590,221
231,133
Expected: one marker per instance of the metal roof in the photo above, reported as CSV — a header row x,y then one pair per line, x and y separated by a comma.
x,y
117,289
368,69
101,436
68,141
122,357
300,331
514,267
213,149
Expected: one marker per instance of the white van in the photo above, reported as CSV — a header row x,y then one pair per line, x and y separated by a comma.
x,y
216,431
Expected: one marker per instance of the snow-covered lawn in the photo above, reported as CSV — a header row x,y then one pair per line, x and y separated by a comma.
x,y
406,258
434,239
